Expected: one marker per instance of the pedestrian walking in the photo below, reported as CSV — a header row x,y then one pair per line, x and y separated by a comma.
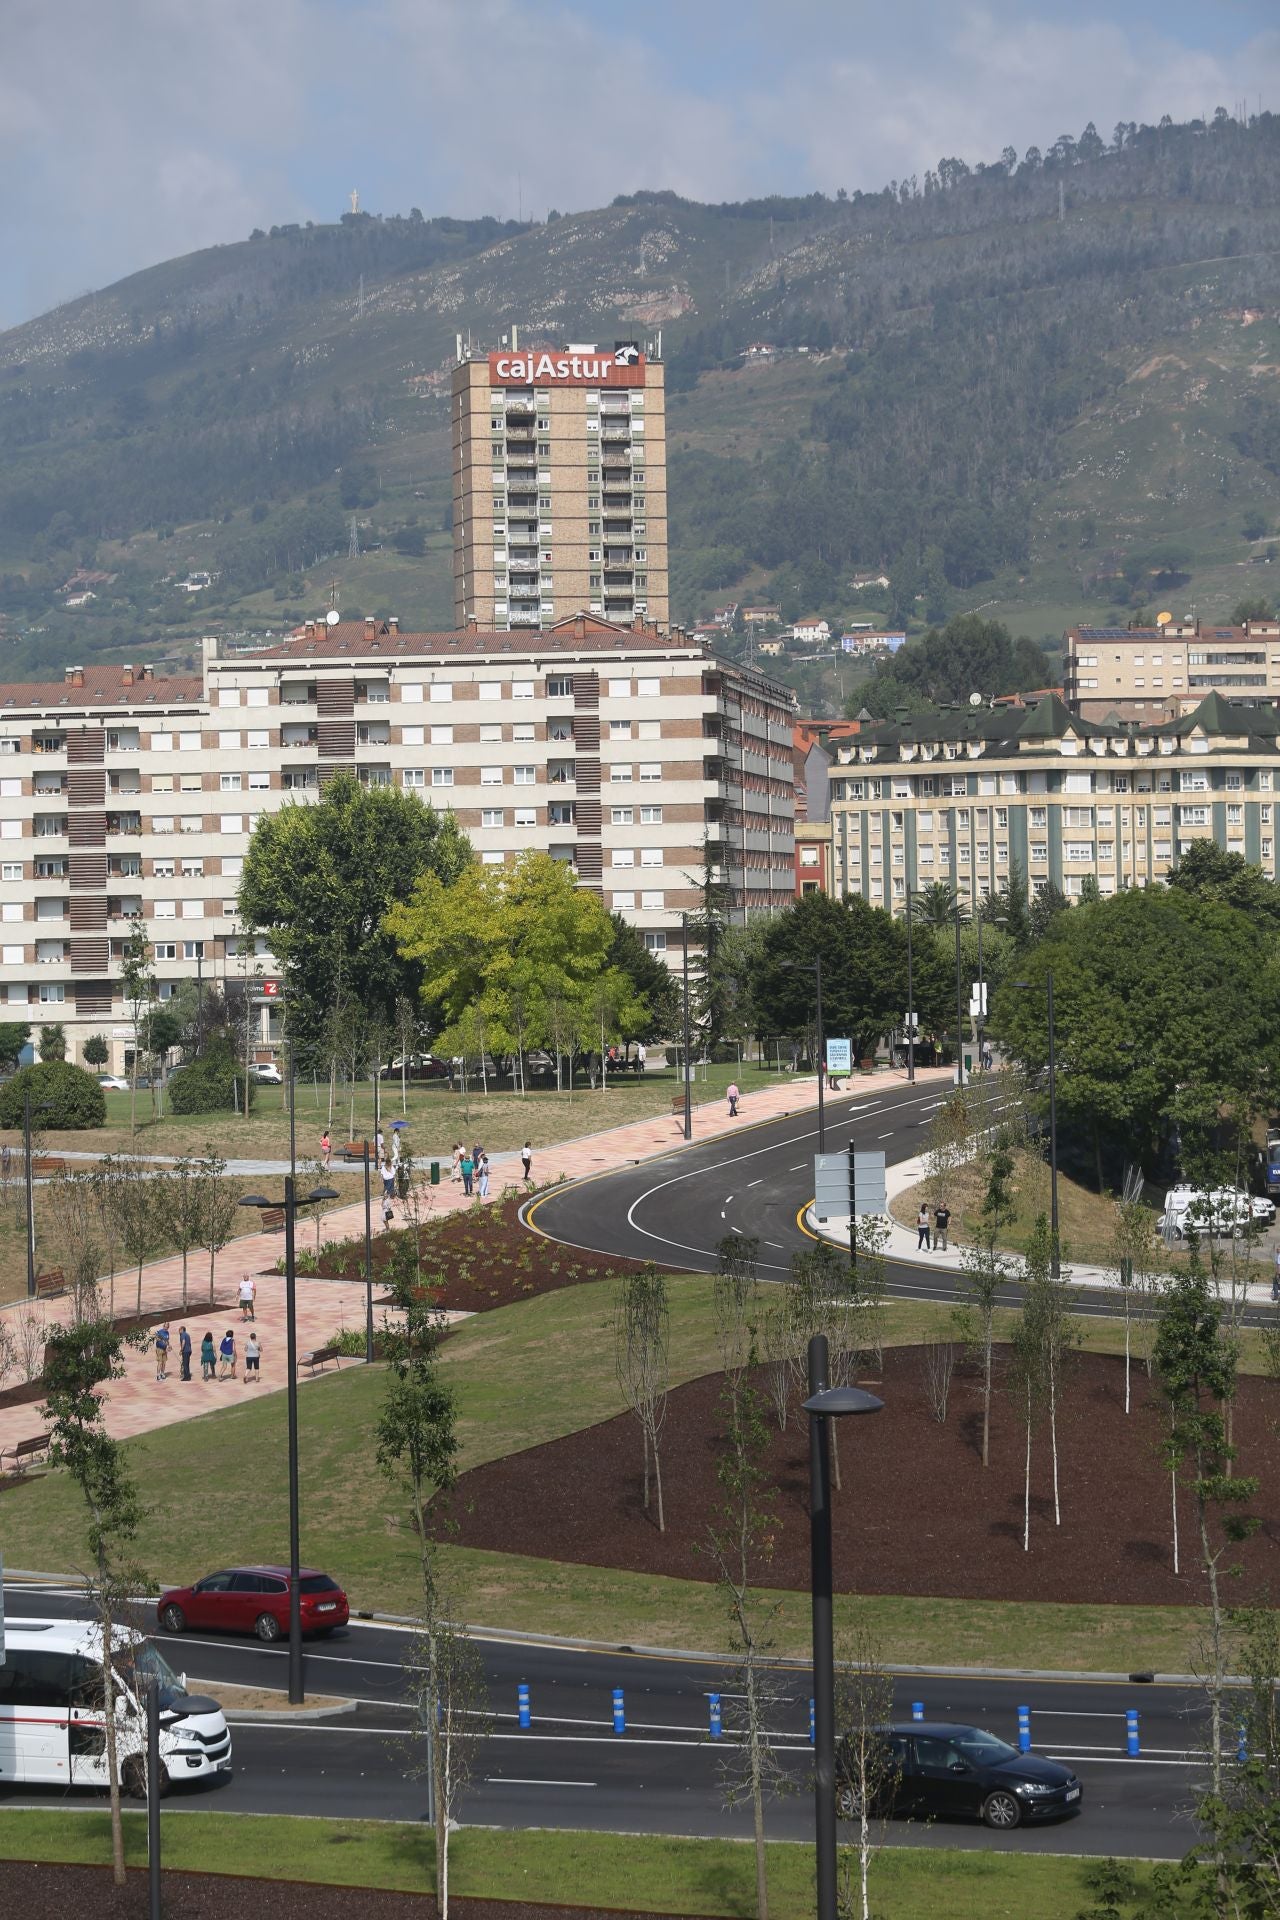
x,y
227,1355
733,1097
526,1162
326,1149
640,1056
252,1357
380,1144
468,1167
395,1148
208,1357
483,1170
922,1228
162,1351
941,1222
455,1163
388,1213
388,1176
248,1295
184,1354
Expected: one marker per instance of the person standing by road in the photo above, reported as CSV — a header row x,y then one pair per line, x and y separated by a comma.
x,y
733,1097
922,1228
252,1358
640,1056
208,1358
483,1171
162,1350
184,1354
467,1167
526,1162
248,1295
455,1166
941,1222
227,1355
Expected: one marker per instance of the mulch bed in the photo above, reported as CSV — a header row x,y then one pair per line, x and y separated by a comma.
x,y
43,1892
485,1258
917,1514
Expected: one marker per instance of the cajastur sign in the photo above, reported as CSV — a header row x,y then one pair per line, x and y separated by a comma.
x,y
622,368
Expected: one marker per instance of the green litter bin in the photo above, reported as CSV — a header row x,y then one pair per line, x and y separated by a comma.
x,y
435,1173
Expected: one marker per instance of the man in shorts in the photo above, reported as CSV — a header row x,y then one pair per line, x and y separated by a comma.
x,y
252,1356
162,1351
248,1295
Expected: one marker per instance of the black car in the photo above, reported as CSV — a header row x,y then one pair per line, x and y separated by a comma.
x,y
942,1770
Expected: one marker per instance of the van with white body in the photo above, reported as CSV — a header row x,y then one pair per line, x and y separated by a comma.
x,y
52,1729
1221,1214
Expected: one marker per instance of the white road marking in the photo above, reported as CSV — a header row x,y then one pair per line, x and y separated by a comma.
x,y
885,1136
728,1199
512,1780
756,1183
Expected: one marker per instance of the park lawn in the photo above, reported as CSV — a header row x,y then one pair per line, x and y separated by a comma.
x,y
525,1374
502,1122
657,1873
1087,1220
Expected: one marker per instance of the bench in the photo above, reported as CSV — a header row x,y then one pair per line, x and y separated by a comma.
x,y
319,1357
272,1219
51,1283
354,1150
26,1451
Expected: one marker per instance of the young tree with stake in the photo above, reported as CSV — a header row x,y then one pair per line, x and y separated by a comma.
x,y
642,1336
868,1769
985,1273
139,986
218,1208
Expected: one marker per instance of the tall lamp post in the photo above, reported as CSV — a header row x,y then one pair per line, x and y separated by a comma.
x,y
959,1003
688,1090
825,1403
1056,1263
41,1106
368,1263
290,1204
911,1005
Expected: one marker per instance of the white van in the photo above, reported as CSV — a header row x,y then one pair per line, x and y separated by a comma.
x,y
52,1731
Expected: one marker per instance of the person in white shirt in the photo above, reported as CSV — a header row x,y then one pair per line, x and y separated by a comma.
x,y
248,1295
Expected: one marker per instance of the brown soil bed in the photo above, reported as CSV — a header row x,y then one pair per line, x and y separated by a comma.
x,y
917,1513
485,1258
43,1892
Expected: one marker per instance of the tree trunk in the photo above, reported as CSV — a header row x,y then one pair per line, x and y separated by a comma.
x,y
1026,1485
404,1089
1126,1350
184,1278
986,1393
139,1286
212,1257
109,1718
1053,1438
644,1435
755,1734
657,1478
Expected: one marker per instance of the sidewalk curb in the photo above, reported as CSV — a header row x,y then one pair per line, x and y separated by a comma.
x,y
272,1716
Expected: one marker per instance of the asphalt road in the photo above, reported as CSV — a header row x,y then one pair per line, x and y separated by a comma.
x,y
664,1774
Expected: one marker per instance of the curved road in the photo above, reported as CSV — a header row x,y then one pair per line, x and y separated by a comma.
x,y
663,1775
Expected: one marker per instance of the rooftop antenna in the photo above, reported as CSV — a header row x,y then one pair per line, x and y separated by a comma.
x,y
354,197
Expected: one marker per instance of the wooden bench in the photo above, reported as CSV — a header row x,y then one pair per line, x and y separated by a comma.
x,y
272,1219
51,1283
320,1357
354,1150
26,1451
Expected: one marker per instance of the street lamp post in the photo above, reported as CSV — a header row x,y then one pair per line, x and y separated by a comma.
x,y
290,1205
368,1263
688,1090
825,1403
42,1106
911,1006
959,1004
1056,1261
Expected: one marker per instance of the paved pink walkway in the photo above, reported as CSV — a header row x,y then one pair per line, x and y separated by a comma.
x,y
138,1403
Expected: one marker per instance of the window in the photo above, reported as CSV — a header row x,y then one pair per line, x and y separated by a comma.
x,y
622,857
192,866
190,783
193,909
618,730
228,742
232,866
11,870
651,856
162,823
622,816
493,858
441,690
648,689
656,942
651,816
1078,850
648,729
526,816
413,777
165,910
442,776
491,817
228,823
188,743
411,690
620,689
52,995
622,903
619,775
258,740
651,770
560,688
10,789
440,736
227,782
260,782
489,690
651,902
522,689
162,783
523,730
490,776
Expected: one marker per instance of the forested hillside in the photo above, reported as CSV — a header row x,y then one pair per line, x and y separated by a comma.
x,y
1046,386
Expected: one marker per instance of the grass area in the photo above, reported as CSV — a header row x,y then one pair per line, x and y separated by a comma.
x,y
663,1875
437,1117
525,1374
1087,1219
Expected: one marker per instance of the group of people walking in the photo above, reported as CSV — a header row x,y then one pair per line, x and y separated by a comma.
x,y
471,1166
217,1361
932,1237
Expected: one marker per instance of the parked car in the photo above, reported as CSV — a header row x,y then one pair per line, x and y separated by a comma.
x,y
1224,1211
112,1083
254,1600
947,1771
267,1073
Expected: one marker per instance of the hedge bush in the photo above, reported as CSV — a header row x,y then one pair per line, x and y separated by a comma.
x,y
214,1083
74,1096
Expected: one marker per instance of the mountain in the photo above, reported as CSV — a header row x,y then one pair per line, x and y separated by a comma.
x,y
1046,387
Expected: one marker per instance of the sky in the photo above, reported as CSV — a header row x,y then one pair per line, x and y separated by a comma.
x,y
137,130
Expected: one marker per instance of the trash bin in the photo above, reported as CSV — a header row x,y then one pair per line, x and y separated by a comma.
x,y
435,1173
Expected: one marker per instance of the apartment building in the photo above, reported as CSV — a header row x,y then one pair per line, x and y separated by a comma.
x,y
559,487
620,750
968,796
1158,673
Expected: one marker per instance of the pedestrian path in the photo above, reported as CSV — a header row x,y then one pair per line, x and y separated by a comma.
x,y
138,1403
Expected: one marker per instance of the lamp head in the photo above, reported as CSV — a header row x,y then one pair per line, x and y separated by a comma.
x,y
256,1200
836,1401
323,1193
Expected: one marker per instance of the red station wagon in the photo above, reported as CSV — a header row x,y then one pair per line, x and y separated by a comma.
x,y
254,1600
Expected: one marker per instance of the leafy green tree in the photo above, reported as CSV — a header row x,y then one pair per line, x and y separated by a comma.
x,y
1258,608
53,1041
14,1035
1211,873
652,981
96,1051
1048,903
710,993
139,984
864,970
321,880
986,1273
73,1096
936,905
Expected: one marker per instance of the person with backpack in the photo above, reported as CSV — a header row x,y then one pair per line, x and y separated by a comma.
x,y
922,1229
252,1357
162,1351
227,1355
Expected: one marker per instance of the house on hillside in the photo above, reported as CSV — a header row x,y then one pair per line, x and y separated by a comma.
x,y
812,632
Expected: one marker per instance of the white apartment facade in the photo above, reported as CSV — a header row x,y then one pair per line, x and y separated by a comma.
x,y
124,792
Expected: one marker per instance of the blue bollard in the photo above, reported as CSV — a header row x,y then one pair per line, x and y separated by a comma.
x,y
619,1717
1024,1729
1242,1745
917,1709
813,1726
713,1702
1132,1745
522,1702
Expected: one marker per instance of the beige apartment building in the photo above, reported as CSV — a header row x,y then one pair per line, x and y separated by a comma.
x,y
968,796
1158,673
559,487
620,750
